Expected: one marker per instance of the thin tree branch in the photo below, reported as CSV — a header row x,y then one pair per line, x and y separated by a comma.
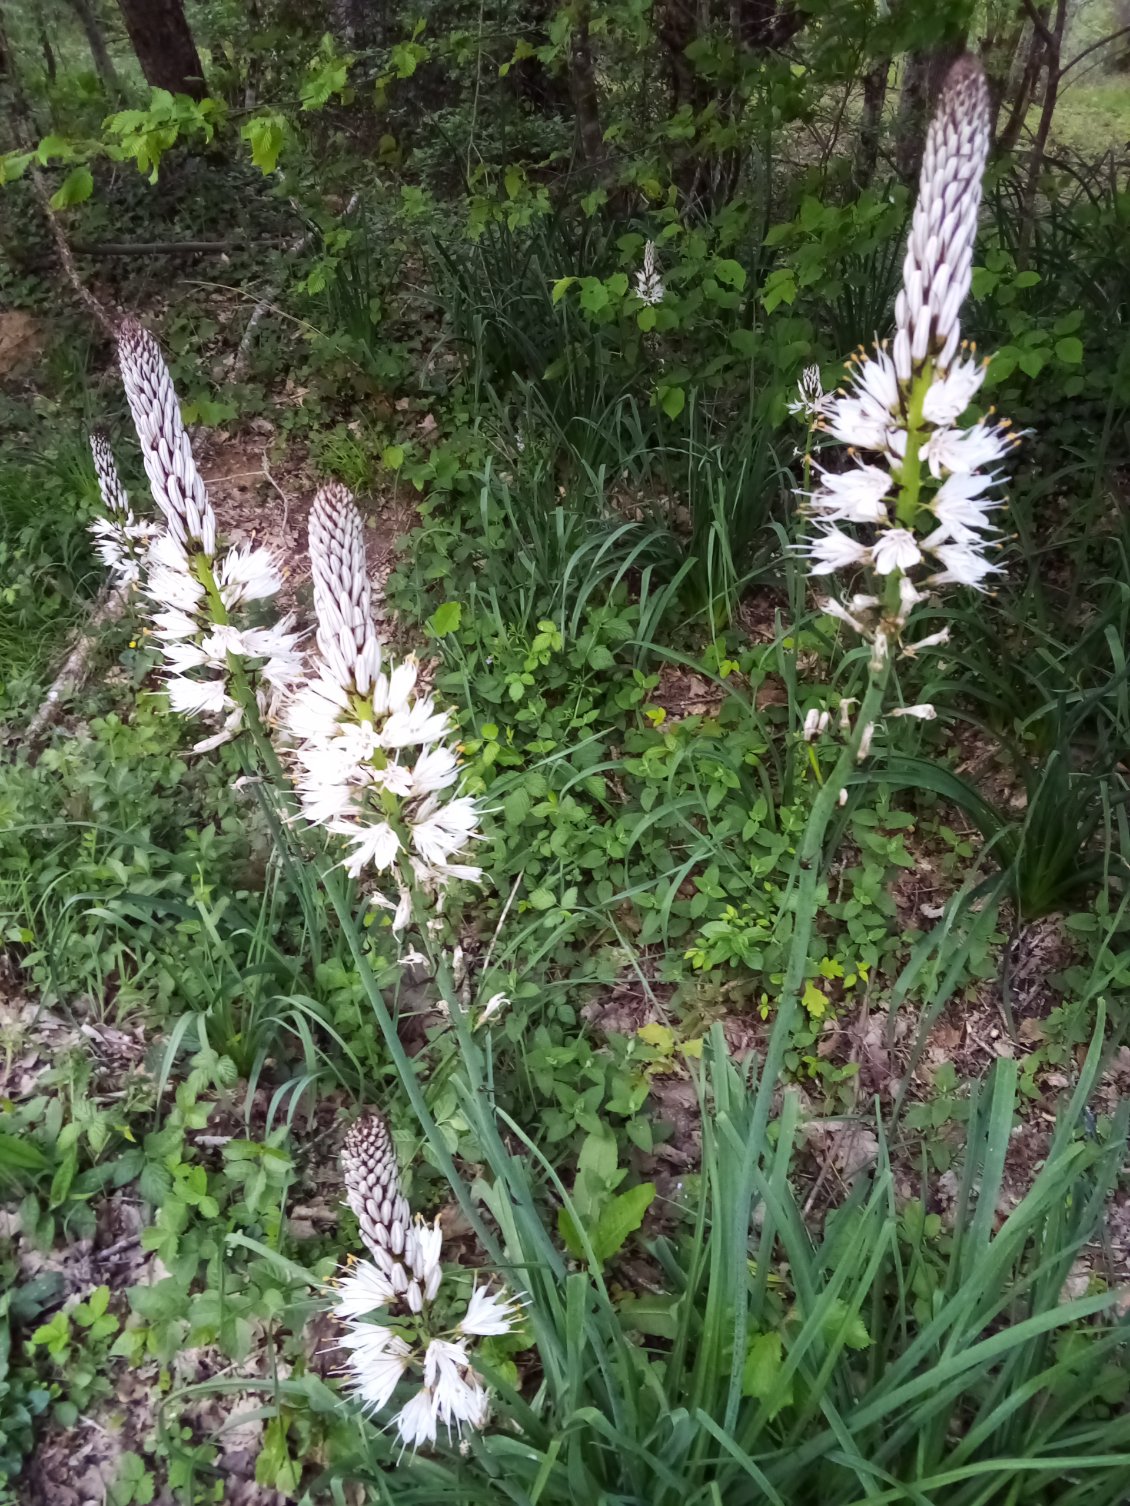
x,y
1122,31
1043,31
174,248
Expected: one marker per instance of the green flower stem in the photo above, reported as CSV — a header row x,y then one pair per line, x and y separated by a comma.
x,y
808,865
910,473
402,1061
909,498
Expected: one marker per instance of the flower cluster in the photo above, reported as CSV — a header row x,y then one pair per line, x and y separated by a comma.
x,y
401,1284
215,655
649,283
120,540
373,755
915,514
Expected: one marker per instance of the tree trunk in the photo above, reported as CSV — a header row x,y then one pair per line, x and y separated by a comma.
x,y
103,63
870,125
910,124
352,23
677,30
582,77
763,24
1037,53
49,65
1054,48
922,79
1000,50
164,46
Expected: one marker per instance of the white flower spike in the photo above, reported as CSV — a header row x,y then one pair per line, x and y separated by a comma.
x,y
374,761
402,1284
216,663
649,284
911,512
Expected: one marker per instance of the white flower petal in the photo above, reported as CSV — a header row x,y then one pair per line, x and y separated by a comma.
x,y
896,549
489,1313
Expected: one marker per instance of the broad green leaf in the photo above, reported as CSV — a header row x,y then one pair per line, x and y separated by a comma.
x,y
621,1215
655,1313
446,618
594,295
561,287
1069,350
672,400
53,146
730,272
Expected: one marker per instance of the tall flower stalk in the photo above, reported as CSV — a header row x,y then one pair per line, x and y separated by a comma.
x,y
419,1333
912,513
221,663
374,757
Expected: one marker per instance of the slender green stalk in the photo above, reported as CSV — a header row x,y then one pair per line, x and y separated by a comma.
x,y
808,868
403,1064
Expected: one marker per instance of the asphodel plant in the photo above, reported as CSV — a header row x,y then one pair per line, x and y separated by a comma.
x,y
909,516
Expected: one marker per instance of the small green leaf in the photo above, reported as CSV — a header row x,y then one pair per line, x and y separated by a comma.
x,y
1069,350
646,319
561,287
1032,362
393,456
446,618
542,899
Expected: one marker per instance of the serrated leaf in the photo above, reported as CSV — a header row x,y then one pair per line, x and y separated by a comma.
x,y
265,135
516,807
762,1366
542,899
76,187
854,1335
